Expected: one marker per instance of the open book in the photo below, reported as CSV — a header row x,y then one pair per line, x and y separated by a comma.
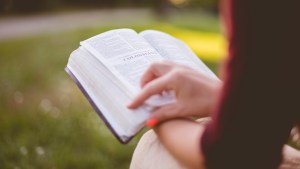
x,y
107,68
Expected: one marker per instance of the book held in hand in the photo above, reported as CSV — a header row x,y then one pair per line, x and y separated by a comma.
x,y
107,68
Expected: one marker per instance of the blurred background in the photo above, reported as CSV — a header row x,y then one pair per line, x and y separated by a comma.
x,y
45,121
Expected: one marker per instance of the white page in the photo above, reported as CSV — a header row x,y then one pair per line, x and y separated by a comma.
x,y
175,50
127,56
107,96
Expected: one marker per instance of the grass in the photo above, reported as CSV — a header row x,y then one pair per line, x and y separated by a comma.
x,y
45,122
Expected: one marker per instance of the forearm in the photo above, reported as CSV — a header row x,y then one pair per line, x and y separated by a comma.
x,y
181,137
291,158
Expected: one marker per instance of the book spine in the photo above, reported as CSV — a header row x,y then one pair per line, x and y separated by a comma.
x,y
122,139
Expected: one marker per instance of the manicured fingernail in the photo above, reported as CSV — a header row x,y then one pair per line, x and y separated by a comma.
x,y
151,122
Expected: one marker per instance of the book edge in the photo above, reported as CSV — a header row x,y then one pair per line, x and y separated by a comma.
x,y
123,140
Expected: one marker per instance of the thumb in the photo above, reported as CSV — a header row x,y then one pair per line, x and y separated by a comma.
x,y
167,112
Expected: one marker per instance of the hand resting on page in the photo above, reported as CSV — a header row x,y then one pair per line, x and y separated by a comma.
x,y
195,92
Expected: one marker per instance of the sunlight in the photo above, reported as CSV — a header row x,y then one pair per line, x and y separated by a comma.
x,y
179,3
210,46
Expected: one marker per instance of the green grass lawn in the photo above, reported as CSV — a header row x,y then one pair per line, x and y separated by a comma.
x,y
45,122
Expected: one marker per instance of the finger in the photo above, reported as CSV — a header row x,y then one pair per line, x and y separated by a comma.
x,y
148,76
167,112
155,70
154,87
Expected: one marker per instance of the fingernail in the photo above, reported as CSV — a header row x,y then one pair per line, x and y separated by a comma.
x,y
151,122
128,105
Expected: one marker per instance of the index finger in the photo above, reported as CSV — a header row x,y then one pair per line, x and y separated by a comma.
x,y
155,70
154,87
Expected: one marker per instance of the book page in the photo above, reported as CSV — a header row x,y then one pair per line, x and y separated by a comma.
x,y
124,53
108,99
127,56
173,49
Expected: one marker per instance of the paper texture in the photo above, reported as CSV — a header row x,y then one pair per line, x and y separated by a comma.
x,y
108,99
108,68
127,56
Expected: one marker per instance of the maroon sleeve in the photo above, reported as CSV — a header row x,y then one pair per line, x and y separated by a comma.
x,y
260,99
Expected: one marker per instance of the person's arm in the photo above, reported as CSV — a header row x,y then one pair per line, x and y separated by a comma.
x,y
196,93
291,158
257,108
181,138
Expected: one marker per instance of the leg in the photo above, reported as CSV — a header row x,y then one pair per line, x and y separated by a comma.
x,y
151,154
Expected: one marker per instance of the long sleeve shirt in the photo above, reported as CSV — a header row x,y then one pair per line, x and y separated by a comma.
x,y
260,100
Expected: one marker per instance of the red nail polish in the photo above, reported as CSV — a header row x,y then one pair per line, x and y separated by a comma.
x,y
151,122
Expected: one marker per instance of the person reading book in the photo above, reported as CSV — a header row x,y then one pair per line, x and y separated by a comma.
x,y
254,110
107,68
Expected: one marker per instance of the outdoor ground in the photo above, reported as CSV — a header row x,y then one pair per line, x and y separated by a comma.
x,y
45,122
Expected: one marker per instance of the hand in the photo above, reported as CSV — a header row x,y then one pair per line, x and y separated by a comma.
x,y
195,92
